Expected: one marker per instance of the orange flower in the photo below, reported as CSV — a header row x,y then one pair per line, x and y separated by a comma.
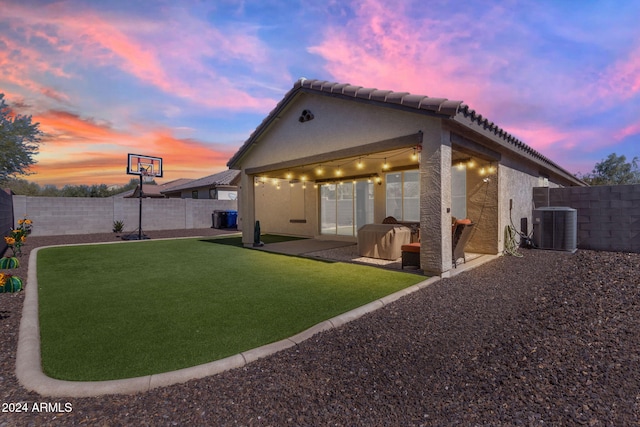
x,y
23,239
10,240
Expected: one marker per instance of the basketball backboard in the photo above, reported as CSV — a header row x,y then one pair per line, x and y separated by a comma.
x,y
138,164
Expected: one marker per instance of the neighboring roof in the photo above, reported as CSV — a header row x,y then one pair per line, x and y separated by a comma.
x,y
228,177
152,190
445,108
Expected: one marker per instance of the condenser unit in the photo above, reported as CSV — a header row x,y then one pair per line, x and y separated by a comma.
x,y
556,228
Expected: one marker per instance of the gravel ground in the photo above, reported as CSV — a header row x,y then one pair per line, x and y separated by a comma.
x,y
547,339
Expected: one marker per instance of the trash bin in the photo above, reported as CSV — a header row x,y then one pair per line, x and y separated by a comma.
x,y
232,219
216,218
223,219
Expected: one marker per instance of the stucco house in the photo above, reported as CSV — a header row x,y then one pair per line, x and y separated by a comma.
x,y
333,157
220,186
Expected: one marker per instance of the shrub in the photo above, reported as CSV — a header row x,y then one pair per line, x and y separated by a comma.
x,y
118,226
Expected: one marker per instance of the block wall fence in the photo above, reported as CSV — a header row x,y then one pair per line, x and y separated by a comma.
x,y
84,215
6,217
608,215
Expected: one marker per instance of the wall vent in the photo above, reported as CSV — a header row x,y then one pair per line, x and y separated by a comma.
x,y
555,228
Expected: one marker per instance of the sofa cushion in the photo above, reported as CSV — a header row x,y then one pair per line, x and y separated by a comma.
x,y
411,247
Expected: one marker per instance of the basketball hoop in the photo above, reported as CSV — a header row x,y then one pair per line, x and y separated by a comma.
x,y
148,177
147,168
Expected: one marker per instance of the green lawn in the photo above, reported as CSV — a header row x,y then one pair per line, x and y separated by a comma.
x,y
131,309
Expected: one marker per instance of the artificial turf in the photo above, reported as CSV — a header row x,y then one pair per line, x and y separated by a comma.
x,y
139,308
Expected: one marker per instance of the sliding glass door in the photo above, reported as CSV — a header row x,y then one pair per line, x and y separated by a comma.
x,y
345,207
403,195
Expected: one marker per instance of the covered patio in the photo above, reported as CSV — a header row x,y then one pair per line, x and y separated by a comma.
x,y
332,158
330,196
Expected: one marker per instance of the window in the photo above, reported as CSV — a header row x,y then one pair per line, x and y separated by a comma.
x,y
403,195
345,207
459,192
226,195
194,194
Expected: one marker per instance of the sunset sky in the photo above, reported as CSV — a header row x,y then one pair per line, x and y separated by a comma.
x,y
189,81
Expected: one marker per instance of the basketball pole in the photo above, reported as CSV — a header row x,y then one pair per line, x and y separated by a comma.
x,y
140,211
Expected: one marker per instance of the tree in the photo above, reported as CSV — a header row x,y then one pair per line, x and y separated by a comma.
x,y
614,170
25,188
19,142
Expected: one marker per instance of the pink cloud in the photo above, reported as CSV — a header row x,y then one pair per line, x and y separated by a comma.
x,y
622,79
18,63
79,150
69,128
543,137
169,55
55,95
630,130
385,47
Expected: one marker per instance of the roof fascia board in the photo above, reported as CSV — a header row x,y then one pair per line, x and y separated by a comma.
x,y
467,146
374,147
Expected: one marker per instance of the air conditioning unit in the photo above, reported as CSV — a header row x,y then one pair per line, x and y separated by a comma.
x,y
556,228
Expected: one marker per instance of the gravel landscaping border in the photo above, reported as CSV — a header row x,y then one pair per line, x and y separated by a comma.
x,y
551,338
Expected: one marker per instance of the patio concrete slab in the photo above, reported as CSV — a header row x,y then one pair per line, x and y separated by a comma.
x,y
304,246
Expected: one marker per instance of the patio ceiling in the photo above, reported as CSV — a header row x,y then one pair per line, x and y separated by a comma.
x,y
359,167
352,167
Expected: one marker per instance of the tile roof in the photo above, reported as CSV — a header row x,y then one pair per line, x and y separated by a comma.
x,y
443,107
226,177
152,190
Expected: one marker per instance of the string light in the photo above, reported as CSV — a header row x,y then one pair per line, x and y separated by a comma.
x,y
360,164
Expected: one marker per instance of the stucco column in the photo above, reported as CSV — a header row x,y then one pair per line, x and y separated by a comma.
x,y
247,208
435,203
